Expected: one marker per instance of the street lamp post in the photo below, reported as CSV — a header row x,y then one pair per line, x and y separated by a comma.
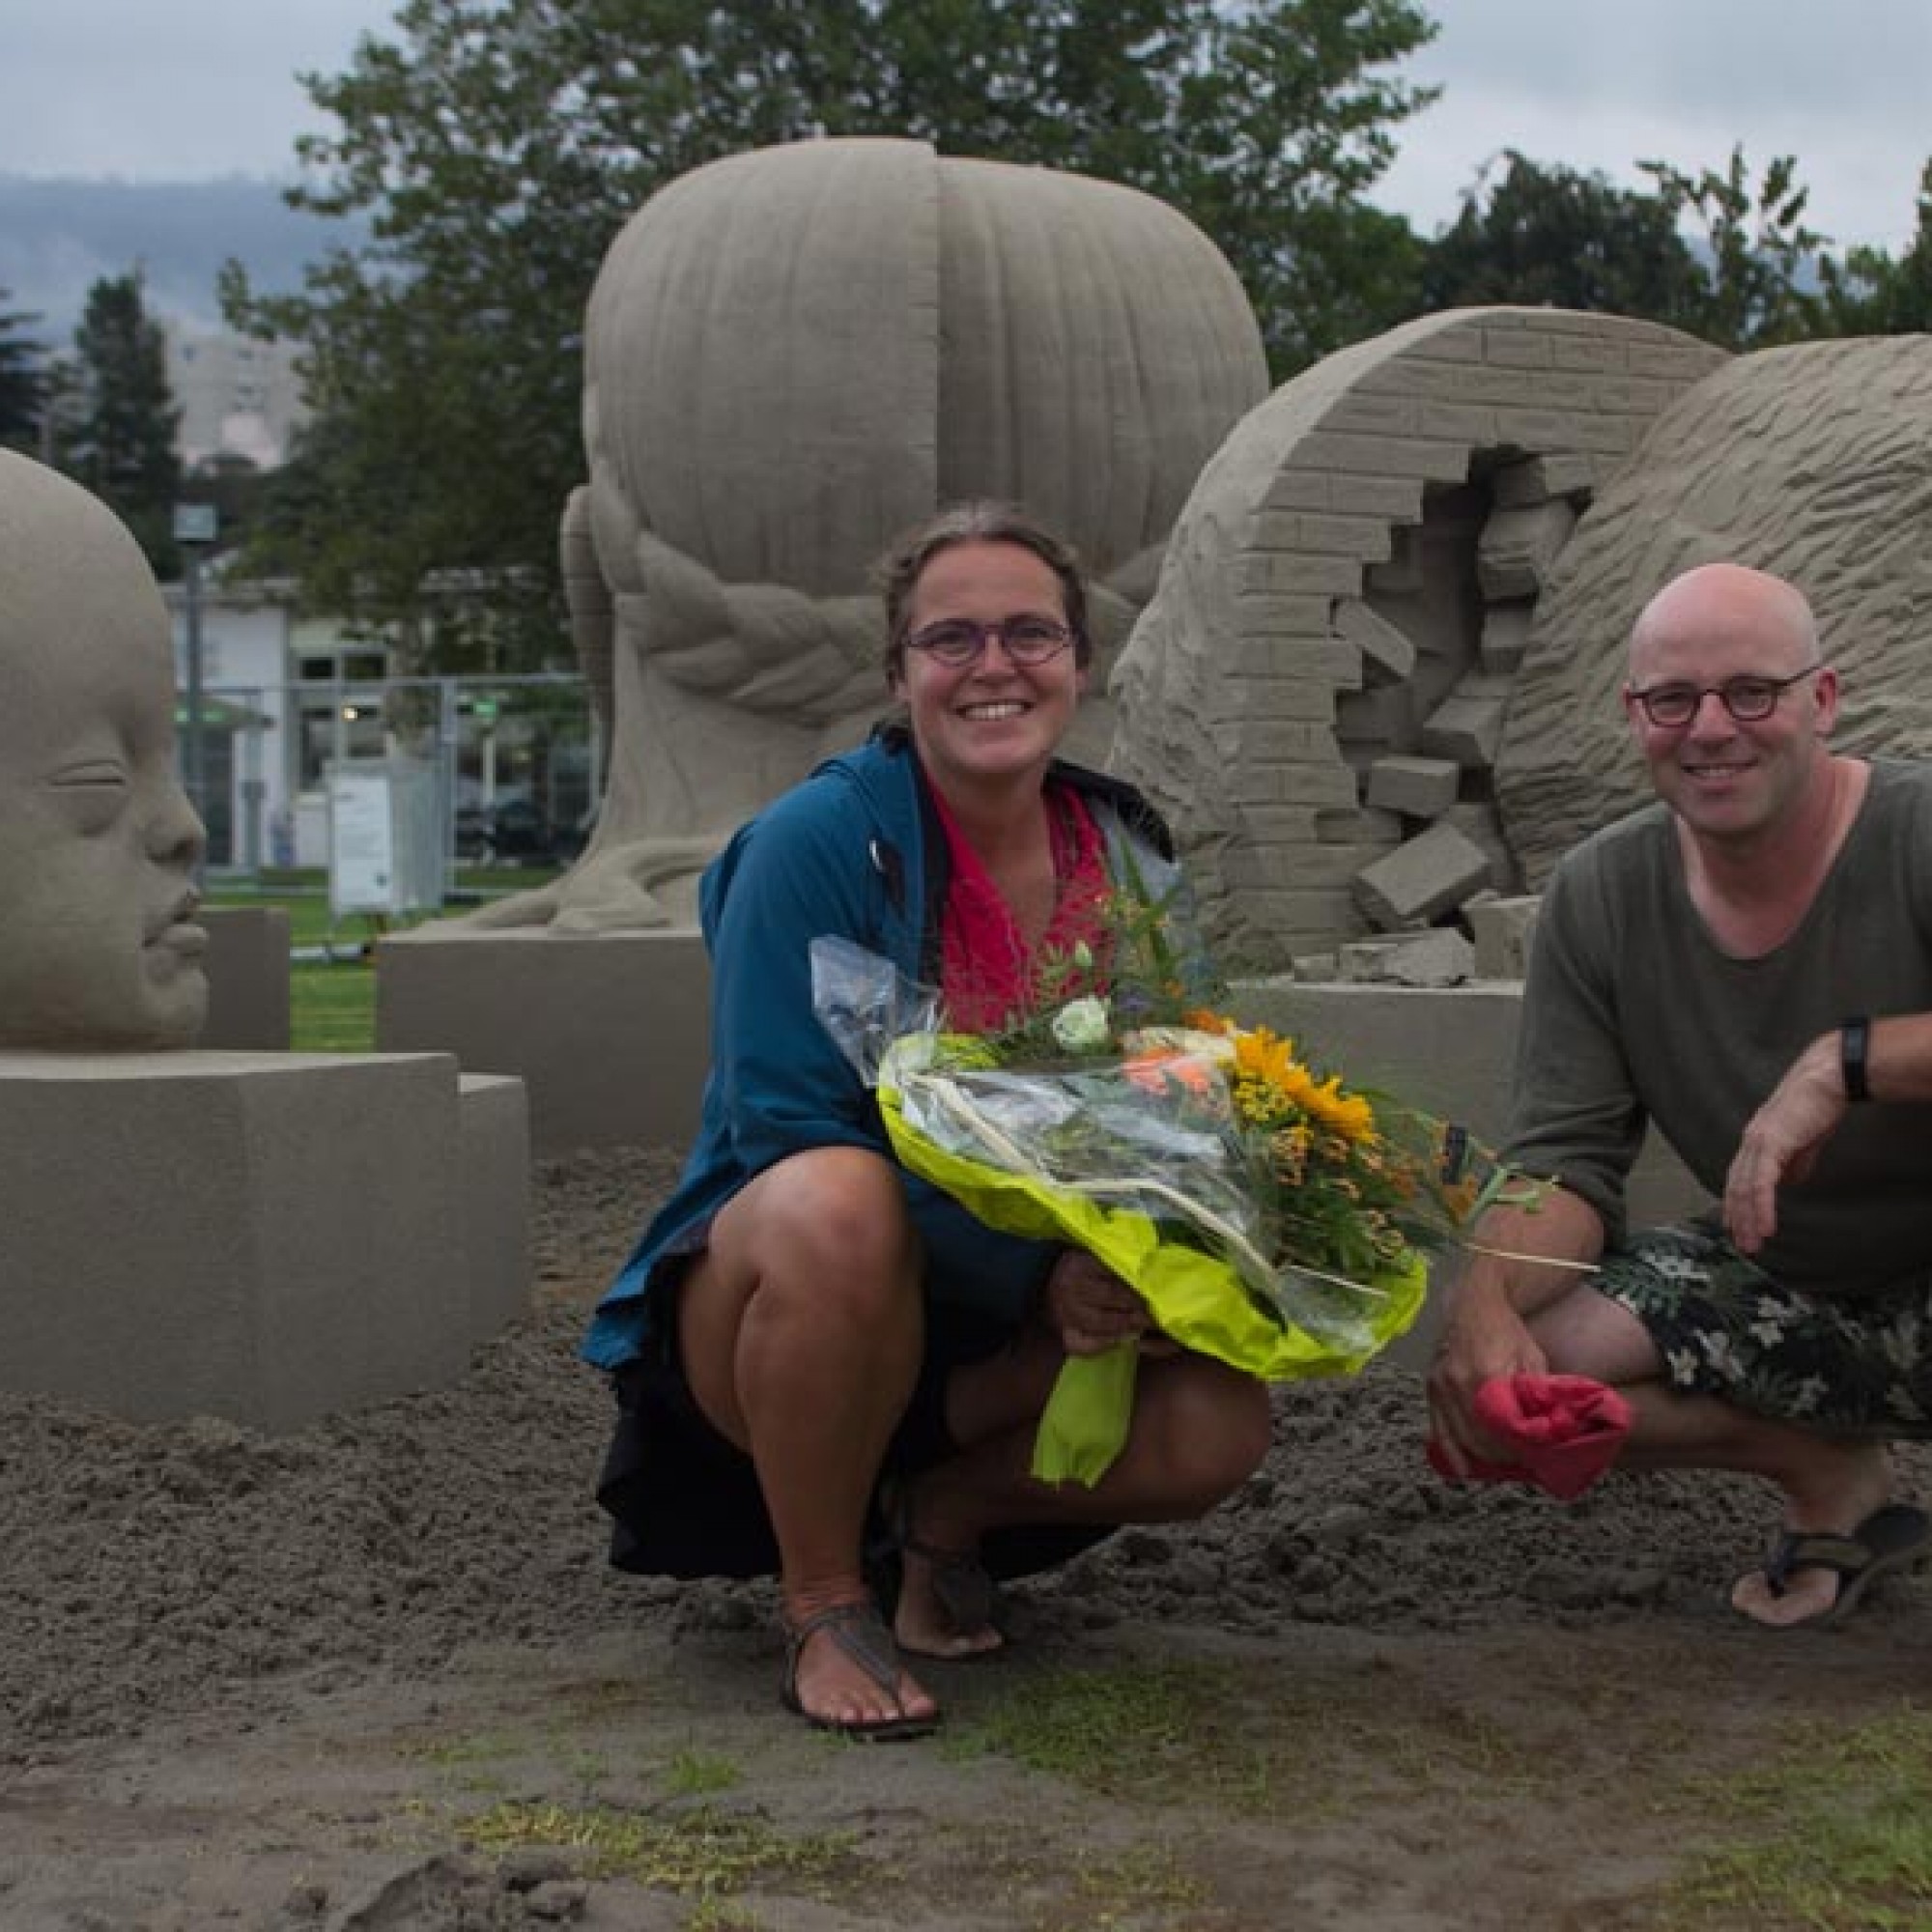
x,y
194,530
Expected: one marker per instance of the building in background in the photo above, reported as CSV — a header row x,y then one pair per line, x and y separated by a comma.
x,y
279,704
238,397
286,695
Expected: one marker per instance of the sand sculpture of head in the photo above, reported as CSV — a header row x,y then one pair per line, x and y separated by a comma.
x,y
1813,461
795,354
1379,677
1315,693
98,842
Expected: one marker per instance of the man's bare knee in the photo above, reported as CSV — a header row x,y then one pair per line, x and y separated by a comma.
x,y
1585,1333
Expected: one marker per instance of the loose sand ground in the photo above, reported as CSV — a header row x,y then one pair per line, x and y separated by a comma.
x,y
378,1675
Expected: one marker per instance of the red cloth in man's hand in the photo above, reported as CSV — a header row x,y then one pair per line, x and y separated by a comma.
x,y
1563,1431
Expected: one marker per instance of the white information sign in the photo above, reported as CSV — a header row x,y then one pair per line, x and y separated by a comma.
x,y
382,850
361,843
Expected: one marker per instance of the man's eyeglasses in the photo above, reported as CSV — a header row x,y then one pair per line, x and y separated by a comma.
x,y
1749,699
958,641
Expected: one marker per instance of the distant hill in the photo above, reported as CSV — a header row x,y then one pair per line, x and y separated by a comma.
x,y
58,238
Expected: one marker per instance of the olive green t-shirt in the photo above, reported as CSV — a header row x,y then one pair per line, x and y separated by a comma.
x,y
1631,1013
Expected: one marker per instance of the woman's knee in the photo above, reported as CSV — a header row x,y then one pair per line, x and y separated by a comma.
x,y
818,1244
1217,1426
831,1224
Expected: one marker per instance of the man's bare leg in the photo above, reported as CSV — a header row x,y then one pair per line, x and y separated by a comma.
x,y
1829,1483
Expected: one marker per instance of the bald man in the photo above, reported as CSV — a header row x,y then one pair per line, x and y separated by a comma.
x,y
1747,962
99,844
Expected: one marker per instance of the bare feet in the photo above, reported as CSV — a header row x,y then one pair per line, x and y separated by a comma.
x,y
1809,1595
844,1673
945,1598
1846,1485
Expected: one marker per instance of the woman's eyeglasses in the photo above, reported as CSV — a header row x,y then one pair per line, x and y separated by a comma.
x,y
1749,699
958,641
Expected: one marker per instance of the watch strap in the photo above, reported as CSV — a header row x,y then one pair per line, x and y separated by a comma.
x,y
1854,1056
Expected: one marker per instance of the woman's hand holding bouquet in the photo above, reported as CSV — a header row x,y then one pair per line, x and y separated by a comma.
x,y
1231,1198
1092,1309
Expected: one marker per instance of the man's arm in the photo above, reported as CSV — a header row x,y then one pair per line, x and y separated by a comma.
x,y
1486,1332
1781,1140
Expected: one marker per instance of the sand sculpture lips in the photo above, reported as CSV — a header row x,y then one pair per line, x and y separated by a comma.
x,y
175,927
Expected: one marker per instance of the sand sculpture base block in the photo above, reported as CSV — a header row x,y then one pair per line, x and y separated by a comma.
x,y
1451,1050
610,1033
247,979
265,1237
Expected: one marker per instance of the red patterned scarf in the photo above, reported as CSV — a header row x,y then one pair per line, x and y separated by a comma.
x,y
988,973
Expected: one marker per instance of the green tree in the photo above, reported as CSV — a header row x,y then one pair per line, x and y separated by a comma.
x,y
1760,252
1540,234
23,382
496,146
120,438
1870,294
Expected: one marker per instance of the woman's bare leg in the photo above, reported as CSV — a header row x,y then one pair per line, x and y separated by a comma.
x,y
801,1328
1200,1430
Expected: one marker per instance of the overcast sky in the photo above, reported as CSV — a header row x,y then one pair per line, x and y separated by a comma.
x,y
187,88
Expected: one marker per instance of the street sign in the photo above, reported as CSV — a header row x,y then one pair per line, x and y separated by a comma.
x,y
194,523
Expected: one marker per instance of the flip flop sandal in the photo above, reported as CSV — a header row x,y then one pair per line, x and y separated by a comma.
x,y
857,1630
1892,1538
961,1582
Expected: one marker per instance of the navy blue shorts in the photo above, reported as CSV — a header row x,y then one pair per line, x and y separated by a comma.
x,y
685,1499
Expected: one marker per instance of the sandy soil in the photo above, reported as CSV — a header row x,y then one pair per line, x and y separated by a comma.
x,y
377,1675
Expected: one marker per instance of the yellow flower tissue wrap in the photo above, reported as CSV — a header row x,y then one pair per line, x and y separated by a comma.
x,y
1195,1297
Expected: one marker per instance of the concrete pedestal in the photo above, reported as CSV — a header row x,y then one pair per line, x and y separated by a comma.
x,y
494,1177
265,1238
247,967
610,1033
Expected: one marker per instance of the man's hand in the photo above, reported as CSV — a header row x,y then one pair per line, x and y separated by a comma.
x,y
1781,1141
1485,1337
1487,1332
1090,1308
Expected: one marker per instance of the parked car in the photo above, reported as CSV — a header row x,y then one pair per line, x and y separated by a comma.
x,y
514,831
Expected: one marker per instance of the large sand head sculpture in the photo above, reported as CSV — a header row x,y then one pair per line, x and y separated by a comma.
x,y
1813,462
1316,695
98,840
791,357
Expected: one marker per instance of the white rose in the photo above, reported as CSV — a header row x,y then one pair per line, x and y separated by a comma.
x,y
1081,1025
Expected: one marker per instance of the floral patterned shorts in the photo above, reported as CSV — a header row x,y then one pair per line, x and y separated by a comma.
x,y
1724,1327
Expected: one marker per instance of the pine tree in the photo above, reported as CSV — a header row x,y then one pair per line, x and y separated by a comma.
x,y
23,383
120,438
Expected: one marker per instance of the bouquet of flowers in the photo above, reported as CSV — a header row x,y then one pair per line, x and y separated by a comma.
x,y
1267,1213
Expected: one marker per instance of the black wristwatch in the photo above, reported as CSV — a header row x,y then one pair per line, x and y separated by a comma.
x,y
1854,1056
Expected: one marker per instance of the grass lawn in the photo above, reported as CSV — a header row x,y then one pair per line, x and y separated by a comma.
x,y
333,998
332,1007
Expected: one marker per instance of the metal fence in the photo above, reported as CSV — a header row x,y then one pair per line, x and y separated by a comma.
x,y
517,764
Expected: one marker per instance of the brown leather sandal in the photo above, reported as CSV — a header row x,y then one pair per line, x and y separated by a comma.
x,y
858,1630
961,1584
1892,1538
